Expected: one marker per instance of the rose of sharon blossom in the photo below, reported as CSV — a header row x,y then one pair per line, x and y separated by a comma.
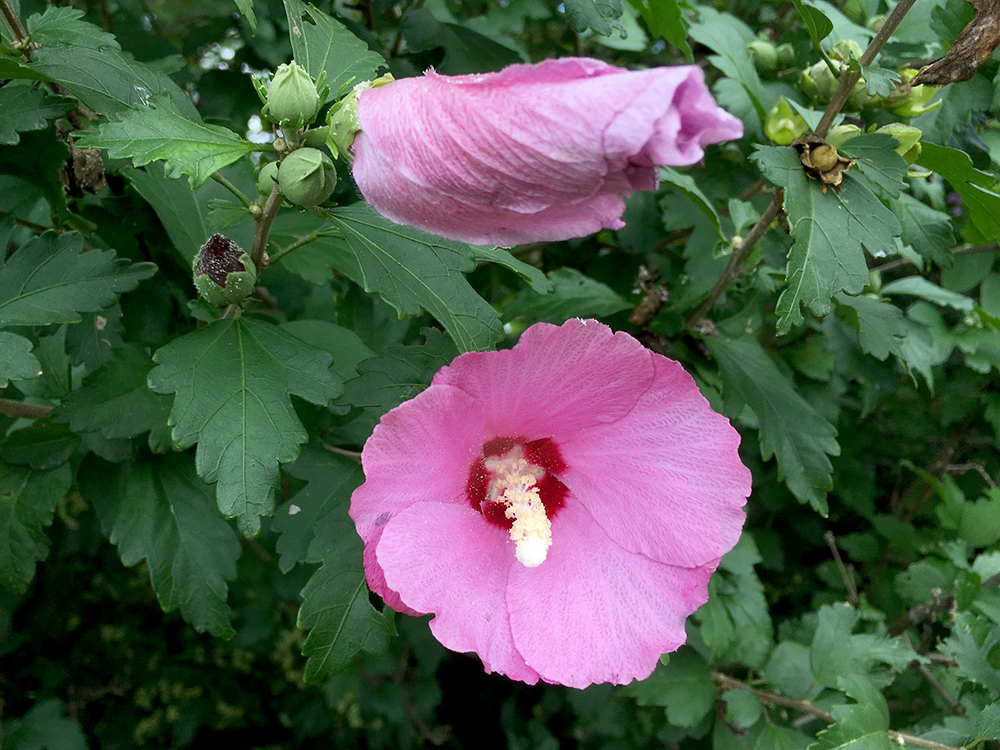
x,y
559,506
535,152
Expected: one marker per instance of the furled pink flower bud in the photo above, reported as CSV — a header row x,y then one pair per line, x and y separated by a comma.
x,y
535,152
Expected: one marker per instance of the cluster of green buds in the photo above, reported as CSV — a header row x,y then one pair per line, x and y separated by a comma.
x,y
306,177
783,124
768,57
292,98
224,273
907,136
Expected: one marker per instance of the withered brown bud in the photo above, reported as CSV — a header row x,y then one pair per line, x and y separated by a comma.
x,y
223,272
821,160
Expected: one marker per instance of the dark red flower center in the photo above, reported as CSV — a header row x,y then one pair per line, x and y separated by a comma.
x,y
543,461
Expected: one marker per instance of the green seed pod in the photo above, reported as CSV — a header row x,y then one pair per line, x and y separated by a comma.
x,y
764,55
223,273
860,98
818,82
292,98
909,139
307,177
783,124
266,177
842,134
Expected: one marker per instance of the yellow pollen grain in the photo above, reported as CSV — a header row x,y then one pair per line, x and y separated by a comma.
x,y
531,531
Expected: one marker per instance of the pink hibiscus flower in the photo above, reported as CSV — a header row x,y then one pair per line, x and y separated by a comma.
x,y
535,152
559,506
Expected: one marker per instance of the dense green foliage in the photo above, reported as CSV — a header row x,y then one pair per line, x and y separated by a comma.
x,y
177,565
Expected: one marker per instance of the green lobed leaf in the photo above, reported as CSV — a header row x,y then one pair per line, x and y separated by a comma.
x,y
344,345
918,286
790,428
857,726
836,652
817,24
64,26
245,7
45,727
331,480
24,107
683,687
107,80
880,81
880,325
324,254
42,445
159,132
335,608
16,360
465,51
412,270
831,232
602,16
233,381
925,229
573,296
93,341
536,279
168,518
789,670
37,160
974,186
15,69
735,623
322,45
988,724
686,184
877,160
664,18
116,401
972,651
400,373
51,280
731,56
28,500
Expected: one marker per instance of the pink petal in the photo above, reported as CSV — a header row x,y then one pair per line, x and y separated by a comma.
x,y
593,612
555,381
665,481
542,152
421,450
447,559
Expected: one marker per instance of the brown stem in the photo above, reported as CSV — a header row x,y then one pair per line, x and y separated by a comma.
x,y
726,682
353,455
17,30
929,611
736,260
845,574
19,409
847,81
850,78
267,215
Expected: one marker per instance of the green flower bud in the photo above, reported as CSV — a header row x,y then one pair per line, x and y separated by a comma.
x,y
266,177
909,139
842,134
910,101
875,23
223,273
818,82
783,124
845,49
343,118
860,98
786,55
292,98
764,55
307,177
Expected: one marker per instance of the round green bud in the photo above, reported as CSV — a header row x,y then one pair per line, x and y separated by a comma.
x,y
910,101
267,177
783,124
818,82
223,273
307,177
909,139
786,55
292,98
764,55
860,98
842,134
845,49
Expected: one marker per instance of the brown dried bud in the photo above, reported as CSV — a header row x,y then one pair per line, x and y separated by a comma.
x,y
223,273
821,160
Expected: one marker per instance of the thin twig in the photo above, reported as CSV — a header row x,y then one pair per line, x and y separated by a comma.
x,y
353,455
845,574
232,189
726,682
17,31
930,610
953,705
21,410
281,252
847,82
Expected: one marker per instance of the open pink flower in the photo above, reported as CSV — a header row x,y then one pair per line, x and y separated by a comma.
x,y
558,506
535,152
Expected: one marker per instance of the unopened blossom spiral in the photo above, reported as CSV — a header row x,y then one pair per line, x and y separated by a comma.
x,y
534,152
559,507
